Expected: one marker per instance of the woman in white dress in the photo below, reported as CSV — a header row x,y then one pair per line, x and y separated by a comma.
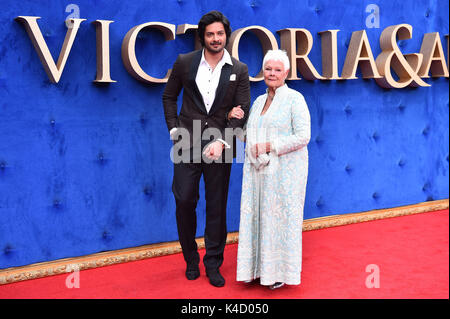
x,y
274,181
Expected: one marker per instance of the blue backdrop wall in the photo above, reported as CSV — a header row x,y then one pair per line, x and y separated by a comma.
x,y
85,168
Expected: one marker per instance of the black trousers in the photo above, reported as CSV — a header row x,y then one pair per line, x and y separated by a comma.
x,y
185,187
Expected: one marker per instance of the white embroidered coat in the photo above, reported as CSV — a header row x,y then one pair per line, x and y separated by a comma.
x,y
273,196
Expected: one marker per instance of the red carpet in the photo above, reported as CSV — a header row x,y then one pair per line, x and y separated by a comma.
x,y
411,252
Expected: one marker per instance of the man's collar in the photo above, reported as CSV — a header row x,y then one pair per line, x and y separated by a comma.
x,y
226,58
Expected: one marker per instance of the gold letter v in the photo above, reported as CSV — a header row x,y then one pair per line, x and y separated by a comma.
x,y
53,70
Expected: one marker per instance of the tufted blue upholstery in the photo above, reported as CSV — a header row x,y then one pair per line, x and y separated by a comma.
x,y
85,168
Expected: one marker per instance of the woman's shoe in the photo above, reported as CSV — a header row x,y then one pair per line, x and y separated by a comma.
x,y
276,285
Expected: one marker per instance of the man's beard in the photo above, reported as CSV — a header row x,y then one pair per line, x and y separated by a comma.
x,y
211,49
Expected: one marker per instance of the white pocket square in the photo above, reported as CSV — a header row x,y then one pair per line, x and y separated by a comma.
x,y
233,77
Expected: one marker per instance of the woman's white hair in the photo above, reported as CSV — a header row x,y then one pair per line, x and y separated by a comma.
x,y
277,55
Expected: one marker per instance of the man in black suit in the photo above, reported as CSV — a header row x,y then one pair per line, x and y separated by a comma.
x,y
216,99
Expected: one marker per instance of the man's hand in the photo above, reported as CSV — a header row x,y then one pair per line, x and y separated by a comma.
x,y
213,150
236,112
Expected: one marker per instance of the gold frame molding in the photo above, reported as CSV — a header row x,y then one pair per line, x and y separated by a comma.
x,y
62,266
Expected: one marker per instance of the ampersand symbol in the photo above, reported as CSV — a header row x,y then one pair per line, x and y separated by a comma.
x,y
406,66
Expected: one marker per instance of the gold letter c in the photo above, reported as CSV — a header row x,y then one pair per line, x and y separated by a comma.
x,y
129,53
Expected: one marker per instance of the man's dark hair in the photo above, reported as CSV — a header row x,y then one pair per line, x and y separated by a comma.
x,y
211,17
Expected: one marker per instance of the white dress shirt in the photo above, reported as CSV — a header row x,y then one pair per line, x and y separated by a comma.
x,y
207,78
207,81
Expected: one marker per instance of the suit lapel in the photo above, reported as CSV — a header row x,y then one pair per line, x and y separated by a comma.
x,y
196,96
221,87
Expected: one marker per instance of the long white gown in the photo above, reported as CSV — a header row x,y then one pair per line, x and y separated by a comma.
x,y
273,196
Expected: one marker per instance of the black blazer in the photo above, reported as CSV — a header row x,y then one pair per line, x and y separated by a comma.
x,y
228,95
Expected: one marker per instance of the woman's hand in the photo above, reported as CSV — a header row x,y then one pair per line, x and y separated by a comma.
x,y
260,148
236,112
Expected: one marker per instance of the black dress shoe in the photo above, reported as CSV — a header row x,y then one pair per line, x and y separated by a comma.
x,y
215,278
192,271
